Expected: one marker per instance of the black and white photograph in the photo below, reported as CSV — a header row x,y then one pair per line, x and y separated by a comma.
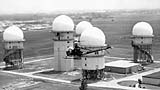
x,y
79,44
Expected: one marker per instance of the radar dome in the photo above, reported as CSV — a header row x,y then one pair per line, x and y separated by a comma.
x,y
92,36
13,33
142,29
82,26
62,23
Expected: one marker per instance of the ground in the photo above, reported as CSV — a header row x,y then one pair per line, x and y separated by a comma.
x,y
38,74
38,43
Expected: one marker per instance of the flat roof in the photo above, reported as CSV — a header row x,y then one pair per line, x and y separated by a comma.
x,y
121,63
155,75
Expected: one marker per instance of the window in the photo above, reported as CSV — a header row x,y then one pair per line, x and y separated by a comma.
x,y
67,41
142,42
67,37
85,64
58,34
85,58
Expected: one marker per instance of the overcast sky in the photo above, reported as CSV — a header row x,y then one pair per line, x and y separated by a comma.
x,y
37,6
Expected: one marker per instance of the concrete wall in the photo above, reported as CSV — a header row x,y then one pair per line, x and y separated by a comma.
x,y
60,63
63,35
11,45
122,70
142,40
116,69
151,81
93,63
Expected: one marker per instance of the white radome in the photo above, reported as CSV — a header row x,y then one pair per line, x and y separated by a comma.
x,y
13,33
142,29
93,36
82,26
62,23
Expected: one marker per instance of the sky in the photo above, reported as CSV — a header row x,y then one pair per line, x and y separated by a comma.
x,y
48,6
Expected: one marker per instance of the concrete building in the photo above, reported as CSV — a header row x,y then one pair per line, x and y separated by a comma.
x,y
13,39
122,67
142,42
152,79
93,64
62,31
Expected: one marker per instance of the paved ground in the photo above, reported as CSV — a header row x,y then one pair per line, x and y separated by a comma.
x,y
26,78
114,84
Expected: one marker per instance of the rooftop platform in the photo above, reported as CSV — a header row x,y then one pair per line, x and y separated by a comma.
x,y
122,66
121,63
155,75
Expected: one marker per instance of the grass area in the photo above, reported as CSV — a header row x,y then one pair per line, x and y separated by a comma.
x,y
40,42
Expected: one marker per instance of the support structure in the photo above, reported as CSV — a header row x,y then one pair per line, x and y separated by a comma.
x,y
63,38
13,40
13,54
62,41
93,64
142,43
142,52
92,43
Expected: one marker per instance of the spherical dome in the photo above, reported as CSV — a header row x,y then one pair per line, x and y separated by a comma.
x,y
142,29
62,23
92,36
82,26
13,33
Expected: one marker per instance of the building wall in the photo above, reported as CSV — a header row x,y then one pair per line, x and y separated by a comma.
x,y
152,81
144,43
15,45
63,36
13,53
142,40
116,69
93,63
60,62
122,70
